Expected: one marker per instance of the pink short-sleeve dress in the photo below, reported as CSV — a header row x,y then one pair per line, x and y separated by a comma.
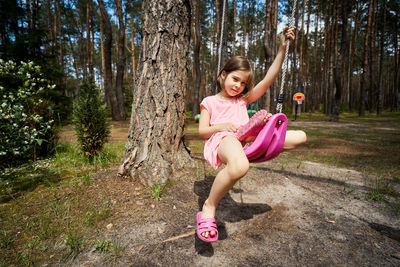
x,y
233,110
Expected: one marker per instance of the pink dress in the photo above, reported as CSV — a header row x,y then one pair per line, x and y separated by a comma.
x,y
233,110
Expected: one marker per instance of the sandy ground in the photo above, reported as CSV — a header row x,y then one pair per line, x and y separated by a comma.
x,y
280,214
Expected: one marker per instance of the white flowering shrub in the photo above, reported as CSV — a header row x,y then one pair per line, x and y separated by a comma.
x,y
26,117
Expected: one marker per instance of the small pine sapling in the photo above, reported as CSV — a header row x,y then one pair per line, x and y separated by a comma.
x,y
90,119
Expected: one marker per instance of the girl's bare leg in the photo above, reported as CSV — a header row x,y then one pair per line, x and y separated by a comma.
x,y
294,138
230,151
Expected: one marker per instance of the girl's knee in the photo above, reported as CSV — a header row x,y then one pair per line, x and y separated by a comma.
x,y
294,138
238,168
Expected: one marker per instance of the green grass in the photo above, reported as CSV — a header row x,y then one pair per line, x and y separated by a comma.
x,y
46,209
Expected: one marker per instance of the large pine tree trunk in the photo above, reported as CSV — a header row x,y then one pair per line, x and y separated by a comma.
x,y
155,150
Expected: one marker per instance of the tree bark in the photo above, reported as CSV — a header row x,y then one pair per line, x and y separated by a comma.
x,y
130,4
121,61
155,151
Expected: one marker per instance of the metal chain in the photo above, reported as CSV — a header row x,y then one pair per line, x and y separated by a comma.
x,y
280,97
222,34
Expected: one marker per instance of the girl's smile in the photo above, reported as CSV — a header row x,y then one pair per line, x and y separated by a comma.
x,y
234,83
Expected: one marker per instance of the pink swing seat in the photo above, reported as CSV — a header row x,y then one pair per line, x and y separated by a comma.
x,y
269,141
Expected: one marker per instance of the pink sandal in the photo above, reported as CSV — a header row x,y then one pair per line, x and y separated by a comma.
x,y
253,127
206,225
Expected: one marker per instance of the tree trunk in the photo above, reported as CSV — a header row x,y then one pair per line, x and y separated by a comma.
x,y
268,51
109,92
223,23
340,63
130,4
301,56
196,61
294,69
372,83
382,56
396,89
244,29
120,62
155,151
103,61
88,36
274,23
314,91
92,31
365,63
352,52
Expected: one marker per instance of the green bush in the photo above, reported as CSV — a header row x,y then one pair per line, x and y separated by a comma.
x,y
27,128
90,119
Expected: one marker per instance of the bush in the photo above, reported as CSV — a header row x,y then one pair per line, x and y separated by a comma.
x,y
27,128
90,119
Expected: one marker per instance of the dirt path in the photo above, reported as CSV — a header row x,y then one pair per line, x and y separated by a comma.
x,y
280,214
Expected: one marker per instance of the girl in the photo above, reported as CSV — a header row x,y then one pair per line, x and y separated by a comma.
x,y
220,117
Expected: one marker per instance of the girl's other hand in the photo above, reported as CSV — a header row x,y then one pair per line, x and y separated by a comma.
x,y
228,127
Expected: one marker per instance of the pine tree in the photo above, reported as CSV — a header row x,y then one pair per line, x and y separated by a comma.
x,y
90,119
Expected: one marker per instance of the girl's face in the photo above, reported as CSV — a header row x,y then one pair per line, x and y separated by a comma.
x,y
234,82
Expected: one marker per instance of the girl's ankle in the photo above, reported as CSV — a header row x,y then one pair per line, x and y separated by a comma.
x,y
208,207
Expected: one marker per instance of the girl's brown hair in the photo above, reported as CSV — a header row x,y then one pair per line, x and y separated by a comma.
x,y
235,64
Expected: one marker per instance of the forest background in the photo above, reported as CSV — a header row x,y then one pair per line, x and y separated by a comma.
x,y
345,57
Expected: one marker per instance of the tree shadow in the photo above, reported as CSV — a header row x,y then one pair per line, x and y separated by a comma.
x,y
15,184
228,211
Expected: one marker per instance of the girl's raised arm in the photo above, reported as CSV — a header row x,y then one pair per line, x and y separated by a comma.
x,y
273,71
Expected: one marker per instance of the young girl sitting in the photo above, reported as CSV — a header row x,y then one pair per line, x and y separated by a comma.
x,y
220,117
